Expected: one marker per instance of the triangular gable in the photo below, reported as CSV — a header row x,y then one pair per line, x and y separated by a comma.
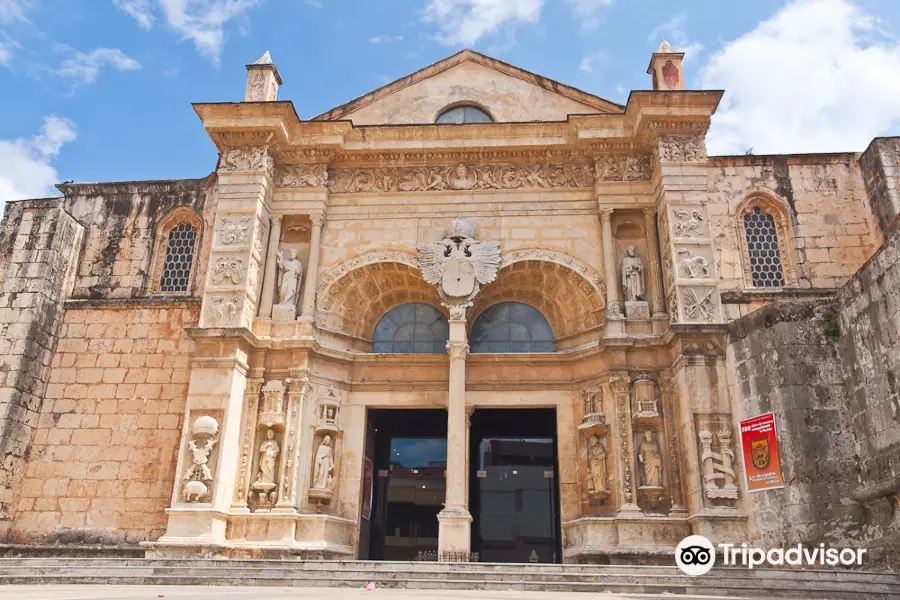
x,y
509,93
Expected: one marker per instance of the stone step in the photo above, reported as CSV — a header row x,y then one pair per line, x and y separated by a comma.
x,y
853,582
707,587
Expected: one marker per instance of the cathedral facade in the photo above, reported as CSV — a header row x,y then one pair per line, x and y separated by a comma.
x,y
475,314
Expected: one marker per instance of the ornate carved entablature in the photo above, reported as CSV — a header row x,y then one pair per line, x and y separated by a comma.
x,y
461,177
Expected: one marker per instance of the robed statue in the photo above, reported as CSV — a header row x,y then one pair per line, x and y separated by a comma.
x,y
323,475
651,460
268,457
291,273
632,276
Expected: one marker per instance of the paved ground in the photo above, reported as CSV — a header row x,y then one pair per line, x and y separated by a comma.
x,y
123,592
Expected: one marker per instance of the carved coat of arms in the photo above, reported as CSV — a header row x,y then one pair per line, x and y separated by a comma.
x,y
459,264
759,450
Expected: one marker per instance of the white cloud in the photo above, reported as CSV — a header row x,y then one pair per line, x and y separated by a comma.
x,y
139,10
25,163
83,67
14,10
201,21
587,11
384,39
588,62
816,77
464,22
673,30
7,47
314,3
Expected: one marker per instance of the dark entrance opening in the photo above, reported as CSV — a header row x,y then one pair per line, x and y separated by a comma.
x,y
513,491
408,452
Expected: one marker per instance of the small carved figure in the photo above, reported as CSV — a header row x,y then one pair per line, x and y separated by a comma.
x,y
224,310
633,275
651,460
323,475
268,458
598,465
291,273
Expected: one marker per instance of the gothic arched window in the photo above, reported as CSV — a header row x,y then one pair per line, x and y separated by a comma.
x,y
464,113
411,328
511,327
763,249
175,255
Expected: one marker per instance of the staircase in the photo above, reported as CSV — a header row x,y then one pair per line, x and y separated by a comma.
x,y
721,581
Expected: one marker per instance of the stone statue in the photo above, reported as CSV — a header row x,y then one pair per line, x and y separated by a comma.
x,y
633,276
651,461
323,476
291,273
268,458
598,465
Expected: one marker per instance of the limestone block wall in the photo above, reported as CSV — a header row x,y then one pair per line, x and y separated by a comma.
x,y
102,465
829,369
870,345
880,165
121,221
830,228
39,246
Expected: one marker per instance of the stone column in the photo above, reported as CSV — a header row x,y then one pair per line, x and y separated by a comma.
x,y
312,269
619,385
653,261
614,318
268,290
455,520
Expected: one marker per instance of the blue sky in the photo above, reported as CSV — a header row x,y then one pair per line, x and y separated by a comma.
x,y
101,90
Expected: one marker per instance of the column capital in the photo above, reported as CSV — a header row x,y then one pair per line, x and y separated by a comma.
x,y
605,214
457,349
277,219
318,219
649,212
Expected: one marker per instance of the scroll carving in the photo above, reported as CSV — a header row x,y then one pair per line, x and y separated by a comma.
x,y
682,148
228,267
460,177
234,230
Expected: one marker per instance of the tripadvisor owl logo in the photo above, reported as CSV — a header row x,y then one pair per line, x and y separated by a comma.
x,y
695,555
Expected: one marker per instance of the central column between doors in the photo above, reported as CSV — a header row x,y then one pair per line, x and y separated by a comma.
x,y
455,521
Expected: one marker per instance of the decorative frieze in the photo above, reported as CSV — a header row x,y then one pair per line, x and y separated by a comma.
x,y
302,176
247,158
623,167
682,148
461,177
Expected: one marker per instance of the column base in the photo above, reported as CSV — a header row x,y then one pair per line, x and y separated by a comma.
x,y
454,532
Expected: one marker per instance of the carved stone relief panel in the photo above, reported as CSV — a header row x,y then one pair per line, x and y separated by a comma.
x,y
688,221
461,177
227,270
223,310
302,176
623,167
694,262
682,148
700,304
247,158
718,461
197,476
233,230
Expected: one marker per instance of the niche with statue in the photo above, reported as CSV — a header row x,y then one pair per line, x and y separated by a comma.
x,y
325,447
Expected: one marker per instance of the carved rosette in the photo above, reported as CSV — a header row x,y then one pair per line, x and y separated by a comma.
x,y
460,177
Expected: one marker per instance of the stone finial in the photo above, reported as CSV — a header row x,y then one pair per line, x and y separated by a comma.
x,y
666,68
263,80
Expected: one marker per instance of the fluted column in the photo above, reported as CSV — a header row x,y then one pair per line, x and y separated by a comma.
x,y
268,290
455,520
312,270
653,260
613,306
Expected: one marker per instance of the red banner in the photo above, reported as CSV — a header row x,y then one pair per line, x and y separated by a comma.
x,y
759,447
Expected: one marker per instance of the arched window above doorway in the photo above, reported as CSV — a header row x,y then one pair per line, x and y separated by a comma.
x,y
511,327
464,113
411,328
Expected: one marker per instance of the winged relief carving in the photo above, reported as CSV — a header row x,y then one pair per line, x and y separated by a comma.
x,y
459,265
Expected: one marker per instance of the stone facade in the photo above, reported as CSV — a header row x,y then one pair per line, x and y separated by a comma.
x,y
206,346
